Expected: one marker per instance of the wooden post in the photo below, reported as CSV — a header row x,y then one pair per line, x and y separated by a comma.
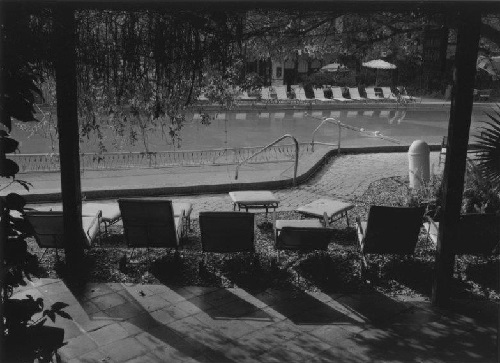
x,y
458,138
67,123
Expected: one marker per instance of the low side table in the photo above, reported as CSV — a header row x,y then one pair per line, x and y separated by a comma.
x,y
302,223
254,199
333,208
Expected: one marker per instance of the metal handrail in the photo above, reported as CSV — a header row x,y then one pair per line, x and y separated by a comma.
x,y
268,146
341,125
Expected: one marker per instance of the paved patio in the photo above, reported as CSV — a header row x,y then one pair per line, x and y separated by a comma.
x,y
157,323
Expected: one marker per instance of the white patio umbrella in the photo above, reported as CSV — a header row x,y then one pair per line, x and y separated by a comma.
x,y
378,64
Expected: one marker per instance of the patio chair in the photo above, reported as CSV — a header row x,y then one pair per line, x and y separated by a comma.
x,y
388,94
226,232
442,151
281,94
302,234
372,95
48,230
319,95
265,95
150,223
354,94
477,234
337,95
389,230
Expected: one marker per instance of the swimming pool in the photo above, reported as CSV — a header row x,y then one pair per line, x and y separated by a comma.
x,y
234,129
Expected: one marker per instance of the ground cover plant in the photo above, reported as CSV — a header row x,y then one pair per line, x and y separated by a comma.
x,y
337,270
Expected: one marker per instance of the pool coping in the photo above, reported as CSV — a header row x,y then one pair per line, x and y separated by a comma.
x,y
263,107
101,194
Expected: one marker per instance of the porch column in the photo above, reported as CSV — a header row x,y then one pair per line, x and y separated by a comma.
x,y
456,154
67,123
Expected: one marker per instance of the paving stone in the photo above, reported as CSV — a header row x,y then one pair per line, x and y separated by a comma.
x,y
92,357
124,349
125,311
231,328
104,302
148,358
108,334
77,346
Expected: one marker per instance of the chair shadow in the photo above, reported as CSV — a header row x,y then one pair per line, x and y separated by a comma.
x,y
133,313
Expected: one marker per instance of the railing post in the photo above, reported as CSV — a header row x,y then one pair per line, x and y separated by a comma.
x,y
296,161
340,137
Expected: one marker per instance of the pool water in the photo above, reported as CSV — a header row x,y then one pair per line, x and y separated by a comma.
x,y
240,129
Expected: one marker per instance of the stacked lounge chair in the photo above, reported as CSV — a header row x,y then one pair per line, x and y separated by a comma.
x,y
281,94
388,94
300,95
371,95
265,95
354,93
337,95
319,95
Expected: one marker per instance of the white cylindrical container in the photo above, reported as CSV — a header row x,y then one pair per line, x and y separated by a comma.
x,y
419,163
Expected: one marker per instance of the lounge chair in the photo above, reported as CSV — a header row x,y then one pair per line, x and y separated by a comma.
x,y
371,95
319,95
110,213
477,234
403,94
49,232
281,94
354,94
226,232
245,97
482,94
300,95
302,234
265,95
387,93
389,230
202,98
150,222
337,95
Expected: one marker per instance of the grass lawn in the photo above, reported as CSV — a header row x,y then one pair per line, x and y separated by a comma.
x,y
335,271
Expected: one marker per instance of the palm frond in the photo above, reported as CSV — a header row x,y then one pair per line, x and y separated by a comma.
x,y
488,149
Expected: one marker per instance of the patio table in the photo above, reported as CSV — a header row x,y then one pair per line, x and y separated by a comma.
x,y
333,208
254,199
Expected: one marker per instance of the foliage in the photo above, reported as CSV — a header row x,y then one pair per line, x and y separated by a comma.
x,y
488,157
22,337
480,194
342,79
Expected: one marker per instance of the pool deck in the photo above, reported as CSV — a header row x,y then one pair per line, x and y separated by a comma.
x,y
114,322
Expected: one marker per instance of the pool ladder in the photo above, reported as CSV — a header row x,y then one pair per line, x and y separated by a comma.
x,y
268,146
341,125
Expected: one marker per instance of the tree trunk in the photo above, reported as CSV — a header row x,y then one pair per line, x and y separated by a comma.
x,y
458,138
